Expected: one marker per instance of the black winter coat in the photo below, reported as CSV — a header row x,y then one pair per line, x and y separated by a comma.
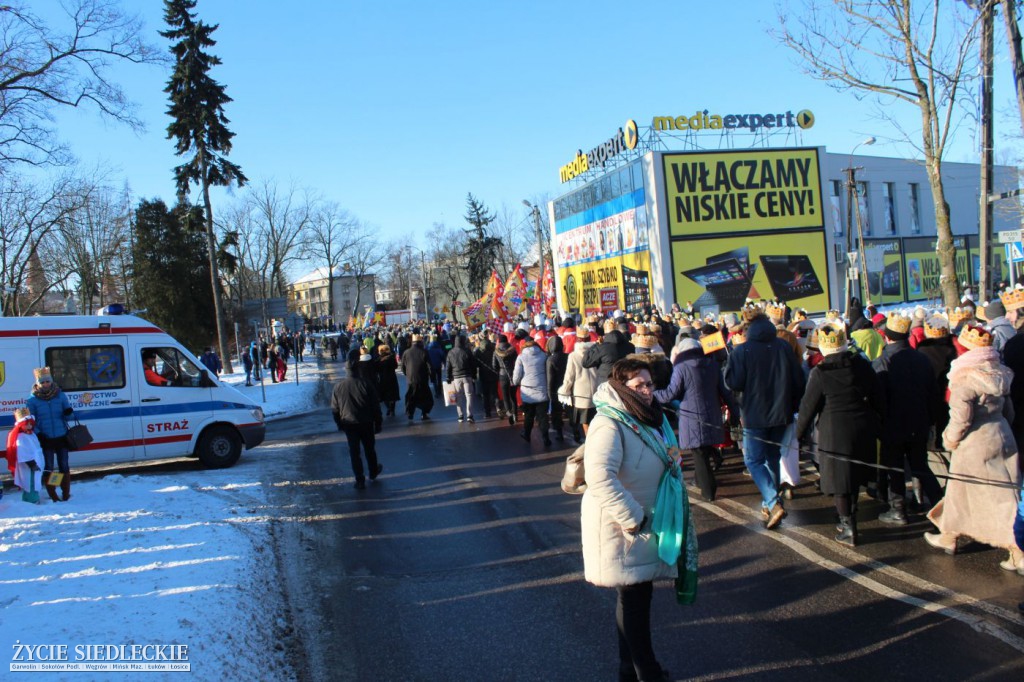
x,y
416,367
602,355
910,392
766,374
1013,357
556,364
387,382
941,354
460,363
484,356
845,396
504,361
355,401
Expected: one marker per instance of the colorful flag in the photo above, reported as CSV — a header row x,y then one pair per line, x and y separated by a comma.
x,y
547,290
378,318
514,300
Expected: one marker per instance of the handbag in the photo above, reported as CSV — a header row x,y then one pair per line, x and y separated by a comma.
x,y
574,479
78,436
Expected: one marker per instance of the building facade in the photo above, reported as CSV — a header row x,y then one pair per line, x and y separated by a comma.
x,y
308,296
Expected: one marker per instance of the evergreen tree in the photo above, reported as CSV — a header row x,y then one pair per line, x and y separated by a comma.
x,y
481,251
199,130
172,267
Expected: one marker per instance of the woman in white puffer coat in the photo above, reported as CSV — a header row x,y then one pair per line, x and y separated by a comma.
x,y
530,375
578,386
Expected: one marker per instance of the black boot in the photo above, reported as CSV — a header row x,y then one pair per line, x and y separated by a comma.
x,y
847,531
897,514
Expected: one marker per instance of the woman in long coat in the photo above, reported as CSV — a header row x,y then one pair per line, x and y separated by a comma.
x,y
578,386
845,396
530,375
982,445
387,381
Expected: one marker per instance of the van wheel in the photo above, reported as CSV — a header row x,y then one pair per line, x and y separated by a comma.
x,y
219,448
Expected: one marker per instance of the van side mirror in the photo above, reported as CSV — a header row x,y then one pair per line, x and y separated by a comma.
x,y
205,381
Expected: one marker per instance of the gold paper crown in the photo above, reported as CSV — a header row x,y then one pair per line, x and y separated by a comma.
x,y
42,372
895,322
21,413
776,310
974,337
832,315
958,315
831,340
738,338
936,327
751,311
1013,298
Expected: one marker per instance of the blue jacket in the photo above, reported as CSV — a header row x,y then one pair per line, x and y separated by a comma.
x,y
766,374
436,352
1018,523
697,383
51,421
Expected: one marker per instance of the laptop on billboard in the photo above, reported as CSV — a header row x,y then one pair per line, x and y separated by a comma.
x,y
791,277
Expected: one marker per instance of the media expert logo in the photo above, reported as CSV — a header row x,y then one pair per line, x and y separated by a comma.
x,y
702,120
625,139
572,294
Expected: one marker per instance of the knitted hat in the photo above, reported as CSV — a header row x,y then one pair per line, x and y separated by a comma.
x,y
994,309
686,343
21,414
878,320
974,337
42,374
936,327
832,340
368,343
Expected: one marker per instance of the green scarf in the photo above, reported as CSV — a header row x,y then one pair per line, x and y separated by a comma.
x,y
671,522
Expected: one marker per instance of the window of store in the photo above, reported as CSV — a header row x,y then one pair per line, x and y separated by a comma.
x,y
888,201
864,205
915,208
836,205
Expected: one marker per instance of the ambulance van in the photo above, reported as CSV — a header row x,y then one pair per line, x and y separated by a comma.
x,y
132,415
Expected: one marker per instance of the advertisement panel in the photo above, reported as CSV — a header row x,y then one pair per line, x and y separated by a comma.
x,y
601,286
742,191
718,274
885,282
922,266
998,271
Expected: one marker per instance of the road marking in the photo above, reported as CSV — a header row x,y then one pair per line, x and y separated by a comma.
x,y
976,623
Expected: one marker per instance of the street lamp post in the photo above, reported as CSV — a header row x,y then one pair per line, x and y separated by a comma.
x,y
540,238
853,202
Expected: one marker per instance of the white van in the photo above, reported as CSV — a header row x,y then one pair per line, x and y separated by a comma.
x,y
98,362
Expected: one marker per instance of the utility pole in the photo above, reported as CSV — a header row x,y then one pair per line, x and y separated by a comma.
x,y
985,218
853,207
850,198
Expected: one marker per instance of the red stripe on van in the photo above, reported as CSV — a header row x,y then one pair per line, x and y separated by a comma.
x,y
111,444
89,331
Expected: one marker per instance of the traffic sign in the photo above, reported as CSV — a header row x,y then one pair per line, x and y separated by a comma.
x,y
1007,236
1014,252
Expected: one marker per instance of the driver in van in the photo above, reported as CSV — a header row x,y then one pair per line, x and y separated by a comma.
x,y
149,362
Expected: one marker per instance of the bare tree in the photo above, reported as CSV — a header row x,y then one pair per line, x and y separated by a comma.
x,y
333,233
283,219
30,216
515,233
69,64
922,53
365,259
447,264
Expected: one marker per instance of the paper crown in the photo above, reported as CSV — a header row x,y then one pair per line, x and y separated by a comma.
x,y
738,338
1013,298
776,310
21,414
832,315
974,337
40,372
896,322
831,340
751,311
958,315
936,327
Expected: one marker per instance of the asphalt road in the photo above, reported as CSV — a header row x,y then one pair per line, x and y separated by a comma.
x,y
462,562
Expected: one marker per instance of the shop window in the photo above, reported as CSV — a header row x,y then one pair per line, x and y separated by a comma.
x,y
864,206
836,206
915,208
889,205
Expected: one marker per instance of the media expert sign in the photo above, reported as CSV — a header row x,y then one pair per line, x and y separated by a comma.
x,y
741,191
703,120
626,138
588,287
922,266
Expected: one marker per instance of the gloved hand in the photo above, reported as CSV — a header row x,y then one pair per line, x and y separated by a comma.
x,y
68,411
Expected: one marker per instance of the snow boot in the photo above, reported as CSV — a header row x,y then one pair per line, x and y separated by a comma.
x,y
65,487
897,514
847,531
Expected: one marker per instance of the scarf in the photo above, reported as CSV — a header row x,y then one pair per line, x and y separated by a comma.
x,y
646,413
12,444
671,522
45,393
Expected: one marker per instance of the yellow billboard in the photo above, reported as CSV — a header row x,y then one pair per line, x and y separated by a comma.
x,y
601,286
742,191
718,275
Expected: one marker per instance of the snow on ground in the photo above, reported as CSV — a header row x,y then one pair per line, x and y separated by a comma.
x,y
177,558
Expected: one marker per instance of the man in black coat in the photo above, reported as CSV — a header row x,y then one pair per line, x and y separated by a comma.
x,y
937,346
355,406
909,385
484,354
612,348
416,367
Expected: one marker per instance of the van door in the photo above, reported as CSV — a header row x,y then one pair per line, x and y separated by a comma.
x,y
91,371
172,404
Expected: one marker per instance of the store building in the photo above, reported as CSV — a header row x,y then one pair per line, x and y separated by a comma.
x,y
646,226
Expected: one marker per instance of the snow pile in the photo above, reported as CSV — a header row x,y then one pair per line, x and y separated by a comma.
x,y
286,398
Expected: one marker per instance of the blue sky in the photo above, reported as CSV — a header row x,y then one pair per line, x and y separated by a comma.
x,y
396,110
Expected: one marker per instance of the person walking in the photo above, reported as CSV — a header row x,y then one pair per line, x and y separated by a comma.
x,y
909,387
605,353
530,375
765,372
504,364
697,383
247,365
50,408
983,448
25,458
355,406
460,369
387,381
416,367
557,361
488,379
211,361
937,346
578,386
437,353
844,398
254,357
634,515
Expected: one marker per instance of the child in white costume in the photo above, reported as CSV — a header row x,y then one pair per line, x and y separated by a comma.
x,y
24,451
